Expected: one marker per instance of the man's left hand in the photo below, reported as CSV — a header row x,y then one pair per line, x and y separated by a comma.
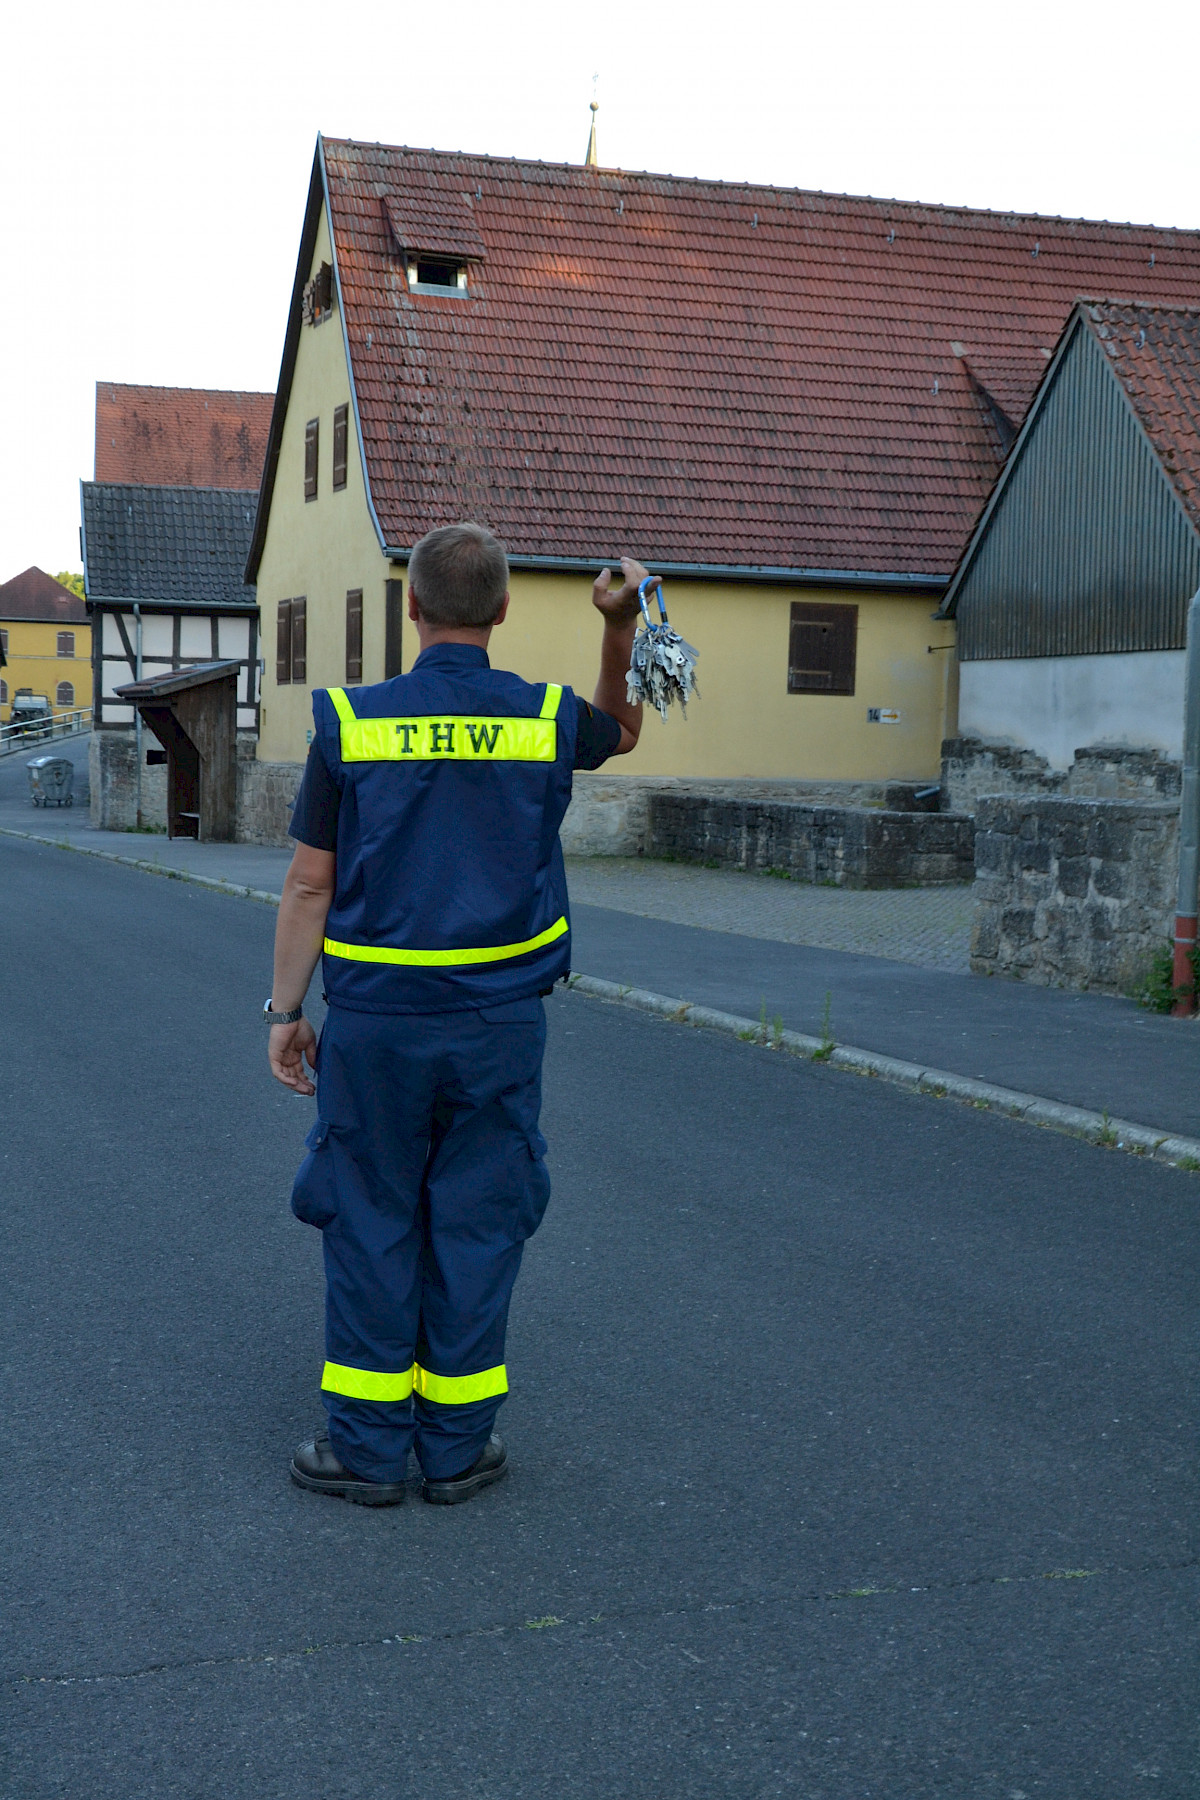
x,y
619,603
286,1052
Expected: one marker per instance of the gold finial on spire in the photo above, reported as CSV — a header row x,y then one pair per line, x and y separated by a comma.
x,y
591,160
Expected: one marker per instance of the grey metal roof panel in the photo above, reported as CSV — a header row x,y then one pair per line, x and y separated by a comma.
x,y
180,545
1090,544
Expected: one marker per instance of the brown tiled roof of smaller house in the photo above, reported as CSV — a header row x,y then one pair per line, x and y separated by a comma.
x,y
34,595
180,437
1155,355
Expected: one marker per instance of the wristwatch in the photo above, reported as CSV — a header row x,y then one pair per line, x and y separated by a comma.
x,y
279,1018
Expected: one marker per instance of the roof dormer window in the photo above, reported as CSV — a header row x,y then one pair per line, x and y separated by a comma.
x,y
436,275
318,296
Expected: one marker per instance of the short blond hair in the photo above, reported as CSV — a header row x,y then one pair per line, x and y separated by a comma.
x,y
459,574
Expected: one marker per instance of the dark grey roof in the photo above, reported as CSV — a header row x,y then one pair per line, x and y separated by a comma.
x,y
186,546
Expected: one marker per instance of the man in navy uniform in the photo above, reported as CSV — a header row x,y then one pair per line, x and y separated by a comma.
x,y
428,872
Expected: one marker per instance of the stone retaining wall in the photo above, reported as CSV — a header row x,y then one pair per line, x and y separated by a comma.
x,y
266,792
1072,892
972,769
113,783
609,814
831,846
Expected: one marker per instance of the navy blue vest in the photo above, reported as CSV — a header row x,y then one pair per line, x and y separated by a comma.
x,y
451,891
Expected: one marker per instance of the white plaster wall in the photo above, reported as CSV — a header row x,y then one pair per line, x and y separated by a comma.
x,y
1057,704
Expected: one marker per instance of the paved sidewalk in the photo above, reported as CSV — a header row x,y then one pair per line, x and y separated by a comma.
x,y
890,965
929,926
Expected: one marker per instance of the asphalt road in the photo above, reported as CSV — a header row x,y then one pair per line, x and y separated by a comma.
x,y
852,1432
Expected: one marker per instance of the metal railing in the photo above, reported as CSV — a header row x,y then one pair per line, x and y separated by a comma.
x,y
44,730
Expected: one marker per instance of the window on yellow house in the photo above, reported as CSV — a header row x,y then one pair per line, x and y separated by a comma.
x,y
354,635
64,694
312,433
341,420
821,650
66,643
3,692
291,627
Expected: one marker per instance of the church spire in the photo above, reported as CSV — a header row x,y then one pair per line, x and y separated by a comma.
x,y
591,160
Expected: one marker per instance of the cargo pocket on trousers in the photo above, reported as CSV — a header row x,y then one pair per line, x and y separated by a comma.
x,y
314,1191
537,1185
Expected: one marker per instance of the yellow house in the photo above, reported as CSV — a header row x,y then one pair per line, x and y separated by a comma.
x,y
47,642
790,405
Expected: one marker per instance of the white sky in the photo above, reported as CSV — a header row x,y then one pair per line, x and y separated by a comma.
x,y
157,155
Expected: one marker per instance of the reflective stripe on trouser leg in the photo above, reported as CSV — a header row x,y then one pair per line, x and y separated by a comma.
x,y
440,1182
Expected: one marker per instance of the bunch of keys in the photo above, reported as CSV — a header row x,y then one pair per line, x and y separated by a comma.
x,y
662,667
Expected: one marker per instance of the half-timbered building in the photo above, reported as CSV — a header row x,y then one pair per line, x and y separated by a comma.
x,y
163,574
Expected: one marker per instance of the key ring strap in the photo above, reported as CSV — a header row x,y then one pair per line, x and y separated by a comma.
x,y
642,586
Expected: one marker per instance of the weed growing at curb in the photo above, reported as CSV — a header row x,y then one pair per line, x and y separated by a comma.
x,y
828,1042
1106,1135
1157,992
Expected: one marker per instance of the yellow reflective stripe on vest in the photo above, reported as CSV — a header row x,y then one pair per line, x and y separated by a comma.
x,y
460,1390
449,739
367,1384
341,705
429,737
384,953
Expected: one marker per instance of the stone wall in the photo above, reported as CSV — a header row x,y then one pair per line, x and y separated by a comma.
x,y
266,792
972,768
831,846
1073,893
113,782
609,814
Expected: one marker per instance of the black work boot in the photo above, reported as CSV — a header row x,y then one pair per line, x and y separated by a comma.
x,y
315,1467
489,1466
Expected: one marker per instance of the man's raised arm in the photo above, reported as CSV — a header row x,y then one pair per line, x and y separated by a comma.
x,y
619,605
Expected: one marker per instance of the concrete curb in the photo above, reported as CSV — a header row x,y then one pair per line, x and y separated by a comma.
x,y
1031,1109
146,867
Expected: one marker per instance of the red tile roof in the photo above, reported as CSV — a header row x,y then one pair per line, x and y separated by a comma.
x,y
702,373
1155,354
35,595
180,437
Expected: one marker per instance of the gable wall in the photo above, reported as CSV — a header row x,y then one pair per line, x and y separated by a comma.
x,y
1087,551
318,548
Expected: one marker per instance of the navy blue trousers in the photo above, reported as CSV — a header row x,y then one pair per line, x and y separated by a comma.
x,y
425,1175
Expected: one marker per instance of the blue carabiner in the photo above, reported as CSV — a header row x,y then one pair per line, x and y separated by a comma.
x,y
642,586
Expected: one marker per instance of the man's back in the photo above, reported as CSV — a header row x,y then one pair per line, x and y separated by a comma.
x,y
453,782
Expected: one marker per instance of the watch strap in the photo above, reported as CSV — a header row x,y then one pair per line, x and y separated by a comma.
x,y
282,1018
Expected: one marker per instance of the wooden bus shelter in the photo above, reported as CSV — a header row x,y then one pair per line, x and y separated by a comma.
x,y
193,714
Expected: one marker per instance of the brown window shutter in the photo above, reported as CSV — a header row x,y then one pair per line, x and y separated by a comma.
x,y
393,629
66,643
341,421
299,633
283,643
822,648
311,435
354,635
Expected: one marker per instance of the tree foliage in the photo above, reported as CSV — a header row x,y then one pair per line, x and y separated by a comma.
x,y
68,579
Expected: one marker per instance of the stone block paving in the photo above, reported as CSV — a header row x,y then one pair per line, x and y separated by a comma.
x,y
928,926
